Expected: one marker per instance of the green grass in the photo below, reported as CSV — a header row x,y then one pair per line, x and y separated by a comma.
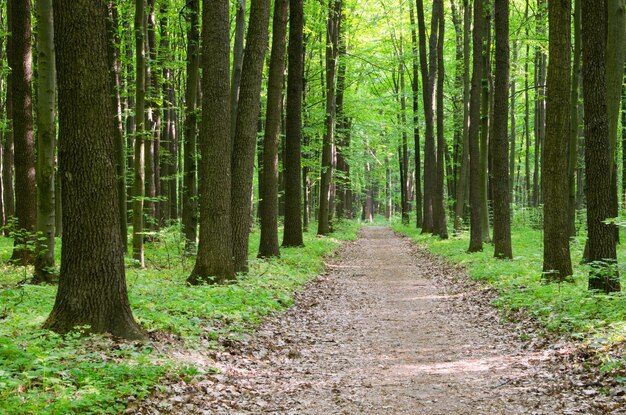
x,y
567,308
43,373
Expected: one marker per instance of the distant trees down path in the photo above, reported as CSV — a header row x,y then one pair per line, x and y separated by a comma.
x,y
180,123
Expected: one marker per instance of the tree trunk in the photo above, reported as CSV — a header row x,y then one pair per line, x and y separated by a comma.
x,y
20,61
292,235
485,127
333,26
462,195
92,286
557,264
118,132
439,207
139,159
46,144
238,52
190,134
153,120
500,143
598,157
476,239
242,163
416,129
214,263
572,163
269,219
513,115
428,65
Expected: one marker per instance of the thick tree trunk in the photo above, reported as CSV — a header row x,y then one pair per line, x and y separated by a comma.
x,y
557,263
139,159
92,285
153,120
476,240
269,218
190,134
598,158
245,135
46,143
20,61
292,235
500,143
214,263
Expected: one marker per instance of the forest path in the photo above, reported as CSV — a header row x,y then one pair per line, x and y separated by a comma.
x,y
385,331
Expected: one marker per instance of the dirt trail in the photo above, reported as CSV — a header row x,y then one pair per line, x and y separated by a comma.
x,y
384,332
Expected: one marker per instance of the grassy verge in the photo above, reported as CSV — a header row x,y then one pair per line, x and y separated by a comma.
x,y
43,373
567,308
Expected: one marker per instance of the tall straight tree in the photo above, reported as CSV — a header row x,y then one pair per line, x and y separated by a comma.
x,y
20,61
574,121
501,188
190,133
269,216
139,150
92,286
8,194
214,263
46,143
292,235
118,130
428,67
602,252
416,128
440,224
238,51
333,26
557,262
476,240
245,135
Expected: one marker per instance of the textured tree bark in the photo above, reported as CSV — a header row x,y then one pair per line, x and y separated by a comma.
x,y
214,263
500,143
428,66
292,234
245,135
333,26
92,286
540,102
439,208
476,240
46,143
139,159
269,219
343,125
419,209
598,157
20,61
238,52
189,190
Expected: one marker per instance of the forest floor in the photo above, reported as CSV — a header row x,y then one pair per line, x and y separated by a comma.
x,y
391,329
